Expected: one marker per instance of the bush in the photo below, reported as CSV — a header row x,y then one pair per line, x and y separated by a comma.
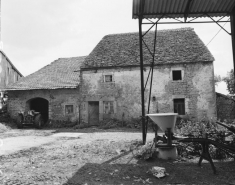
x,y
61,124
200,130
110,123
3,128
137,123
81,125
133,123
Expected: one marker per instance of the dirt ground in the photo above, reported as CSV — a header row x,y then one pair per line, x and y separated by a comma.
x,y
93,156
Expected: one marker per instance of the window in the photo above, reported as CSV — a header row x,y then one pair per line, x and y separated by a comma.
x,y
68,109
108,107
176,75
179,106
108,78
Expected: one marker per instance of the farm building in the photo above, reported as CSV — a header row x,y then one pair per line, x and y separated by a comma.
x,y
8,72
106,83
183,80
53,91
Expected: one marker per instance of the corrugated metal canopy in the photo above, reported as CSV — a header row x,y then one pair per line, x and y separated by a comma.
x,y
183,8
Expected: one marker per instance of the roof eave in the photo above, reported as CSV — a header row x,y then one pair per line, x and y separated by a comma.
x,y
11,63
126,66
181,8
29,89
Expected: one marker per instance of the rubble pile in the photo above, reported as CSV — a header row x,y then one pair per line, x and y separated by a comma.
x,y
158,172
144,151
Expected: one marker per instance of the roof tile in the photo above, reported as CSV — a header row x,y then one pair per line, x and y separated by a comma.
x,y
62,73
173,46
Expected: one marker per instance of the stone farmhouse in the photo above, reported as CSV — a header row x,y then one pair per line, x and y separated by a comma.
x,y
106,83
183,80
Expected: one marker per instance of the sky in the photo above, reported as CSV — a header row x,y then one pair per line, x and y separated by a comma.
x,y
37,32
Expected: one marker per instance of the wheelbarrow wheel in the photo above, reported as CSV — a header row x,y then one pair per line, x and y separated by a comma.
x,y
38,122
19,121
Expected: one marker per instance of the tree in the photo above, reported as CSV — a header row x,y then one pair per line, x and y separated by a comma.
x,y
217,79
229,80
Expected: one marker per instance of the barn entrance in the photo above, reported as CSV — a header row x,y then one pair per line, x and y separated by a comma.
x,y
39,105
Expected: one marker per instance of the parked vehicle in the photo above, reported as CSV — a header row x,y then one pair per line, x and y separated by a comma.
x,y
30,118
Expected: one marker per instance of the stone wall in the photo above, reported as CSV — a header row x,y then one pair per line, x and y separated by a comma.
x,y
196,87
57,99
225,107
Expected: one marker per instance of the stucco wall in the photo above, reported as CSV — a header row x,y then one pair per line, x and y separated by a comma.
x,y
197,87
7,73
57,100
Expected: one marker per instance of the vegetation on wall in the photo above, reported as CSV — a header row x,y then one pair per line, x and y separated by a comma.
x,y
229,80
200,130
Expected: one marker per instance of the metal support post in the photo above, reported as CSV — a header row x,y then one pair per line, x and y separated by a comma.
x,y
232,22
169,138
142,73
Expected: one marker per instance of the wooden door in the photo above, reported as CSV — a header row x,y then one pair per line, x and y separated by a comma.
x,y
93,113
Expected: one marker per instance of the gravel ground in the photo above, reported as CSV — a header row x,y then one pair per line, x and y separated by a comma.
x,y
95,156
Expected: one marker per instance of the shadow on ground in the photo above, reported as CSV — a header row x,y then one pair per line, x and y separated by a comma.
x,y
179,173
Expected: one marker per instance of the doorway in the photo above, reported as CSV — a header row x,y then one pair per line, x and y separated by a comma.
x,y
39,105
93,113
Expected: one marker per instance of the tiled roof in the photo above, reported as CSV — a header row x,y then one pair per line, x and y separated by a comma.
x,y
173,46
62,73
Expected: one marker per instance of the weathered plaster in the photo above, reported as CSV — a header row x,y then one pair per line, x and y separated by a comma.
x,y
196,87
57,100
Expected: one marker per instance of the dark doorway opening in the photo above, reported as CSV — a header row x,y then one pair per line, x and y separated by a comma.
x,y
93,113
40,105
179,106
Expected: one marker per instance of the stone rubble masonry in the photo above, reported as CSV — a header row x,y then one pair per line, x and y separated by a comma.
x,y
197,87
225,107
57,100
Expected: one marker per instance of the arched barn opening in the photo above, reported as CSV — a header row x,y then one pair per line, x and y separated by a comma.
x,y
39,105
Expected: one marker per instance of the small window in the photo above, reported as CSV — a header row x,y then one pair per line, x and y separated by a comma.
x,y
108,107
179,106
68,109
176,75
108,78
8,70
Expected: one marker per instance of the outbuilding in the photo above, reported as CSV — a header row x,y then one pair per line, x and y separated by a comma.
x,y
54,91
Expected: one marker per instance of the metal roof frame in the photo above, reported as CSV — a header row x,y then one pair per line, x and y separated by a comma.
x,y
145,10
181,8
